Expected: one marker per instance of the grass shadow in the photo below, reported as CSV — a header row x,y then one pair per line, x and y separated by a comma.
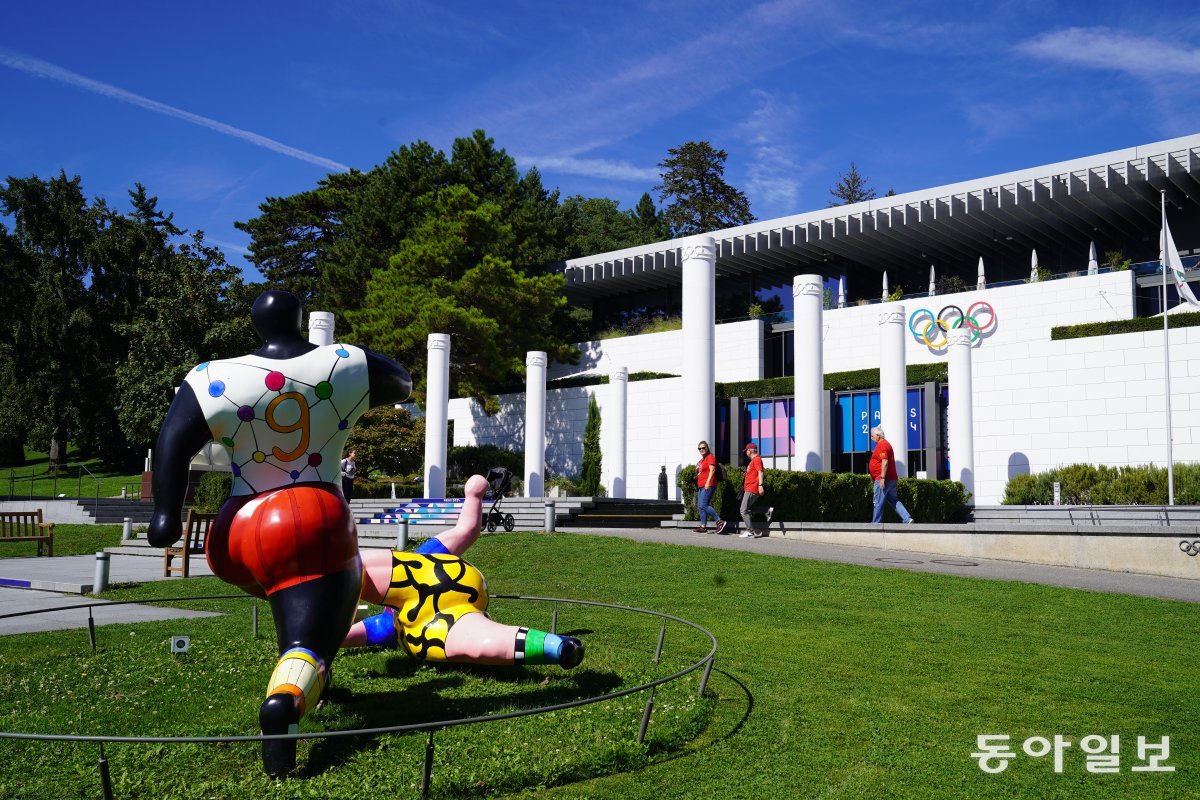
x,y
426,701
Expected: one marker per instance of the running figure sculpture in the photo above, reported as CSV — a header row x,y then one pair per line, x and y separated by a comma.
x,y
437,603
285,533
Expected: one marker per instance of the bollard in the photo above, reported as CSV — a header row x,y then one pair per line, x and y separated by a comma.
x,y
393,490
662,484
1057,493
402,535
126,530
123,493
549,524
100,579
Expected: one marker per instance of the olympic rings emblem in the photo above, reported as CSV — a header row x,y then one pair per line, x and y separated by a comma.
x,y
1191,548
932,329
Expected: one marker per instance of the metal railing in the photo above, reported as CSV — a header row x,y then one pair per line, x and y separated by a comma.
x,y
41,483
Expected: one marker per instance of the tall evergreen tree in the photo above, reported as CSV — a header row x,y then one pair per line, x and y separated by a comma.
x,y
649,220
589,479
852,187
291,237
49,334
701,200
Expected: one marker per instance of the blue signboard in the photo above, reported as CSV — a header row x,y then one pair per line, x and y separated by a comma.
x,y
916,419
859,412
862,424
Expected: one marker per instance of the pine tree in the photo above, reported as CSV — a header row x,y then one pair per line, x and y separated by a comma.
x,y
693,175
589,481
851,188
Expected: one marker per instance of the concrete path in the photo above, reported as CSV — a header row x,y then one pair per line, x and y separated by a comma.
x,y
73,575
17,601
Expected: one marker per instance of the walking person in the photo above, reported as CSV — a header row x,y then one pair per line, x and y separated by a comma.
x,y
883,471
752,490
706,482
348,470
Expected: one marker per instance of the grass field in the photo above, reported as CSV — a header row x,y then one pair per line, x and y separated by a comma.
x,y
832,681
69,540
33,479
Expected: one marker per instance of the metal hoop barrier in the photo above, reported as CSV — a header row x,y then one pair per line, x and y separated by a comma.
x,y
430,727
1191,548
923,322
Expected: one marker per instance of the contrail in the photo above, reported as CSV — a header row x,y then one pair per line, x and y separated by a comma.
x,y
44,69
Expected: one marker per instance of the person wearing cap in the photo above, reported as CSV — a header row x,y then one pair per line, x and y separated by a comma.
x,y
752,486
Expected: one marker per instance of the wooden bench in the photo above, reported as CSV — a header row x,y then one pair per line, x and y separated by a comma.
x,y
195,533
27,526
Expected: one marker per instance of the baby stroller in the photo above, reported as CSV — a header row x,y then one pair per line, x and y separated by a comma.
x,y
498,479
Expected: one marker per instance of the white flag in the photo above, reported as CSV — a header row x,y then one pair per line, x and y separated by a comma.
x,y
1170,259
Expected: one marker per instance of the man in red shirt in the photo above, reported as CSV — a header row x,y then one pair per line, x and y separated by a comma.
x,y
883,472
752,489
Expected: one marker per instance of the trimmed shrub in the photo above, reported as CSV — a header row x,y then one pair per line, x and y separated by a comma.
x,y
212,491
837,381
1086,484
1136,325
463,462
829,496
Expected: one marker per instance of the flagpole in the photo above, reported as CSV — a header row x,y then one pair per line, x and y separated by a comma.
x,y
1166,354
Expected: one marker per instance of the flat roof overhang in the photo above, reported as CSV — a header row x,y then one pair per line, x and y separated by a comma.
x,y
1001,218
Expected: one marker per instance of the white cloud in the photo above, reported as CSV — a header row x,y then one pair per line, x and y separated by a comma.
x,y
228,246
775,175
44,69
1104,48
591,168
594,99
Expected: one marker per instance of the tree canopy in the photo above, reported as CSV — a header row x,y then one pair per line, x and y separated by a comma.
x,y
102,314
693,175
451,275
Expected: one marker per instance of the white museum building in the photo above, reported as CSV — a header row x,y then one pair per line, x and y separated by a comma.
x,y
980,272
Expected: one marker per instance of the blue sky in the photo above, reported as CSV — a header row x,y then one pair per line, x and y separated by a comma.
x,y
216,106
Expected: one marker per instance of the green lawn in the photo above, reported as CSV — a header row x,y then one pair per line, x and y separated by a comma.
x,y
69,540
33,479
832,681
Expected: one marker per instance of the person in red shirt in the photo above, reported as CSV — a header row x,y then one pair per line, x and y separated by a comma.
x,y
752,489
706,482
883,471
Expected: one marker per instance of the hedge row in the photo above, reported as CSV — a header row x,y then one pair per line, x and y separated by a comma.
x,y
829,497
585,380
1085,484
1137,325
834,381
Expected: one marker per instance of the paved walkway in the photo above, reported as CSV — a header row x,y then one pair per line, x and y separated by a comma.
x,y
73,574
63,579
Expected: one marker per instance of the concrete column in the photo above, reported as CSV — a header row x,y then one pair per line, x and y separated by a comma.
x,y
320,327
699,259
893,385
810,374
616,419
962,419
437,411
535,423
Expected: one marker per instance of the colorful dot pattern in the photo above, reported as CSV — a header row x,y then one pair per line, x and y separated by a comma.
x,y
284,421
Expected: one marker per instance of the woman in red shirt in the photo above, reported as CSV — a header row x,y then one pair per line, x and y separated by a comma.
x,y
706,482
